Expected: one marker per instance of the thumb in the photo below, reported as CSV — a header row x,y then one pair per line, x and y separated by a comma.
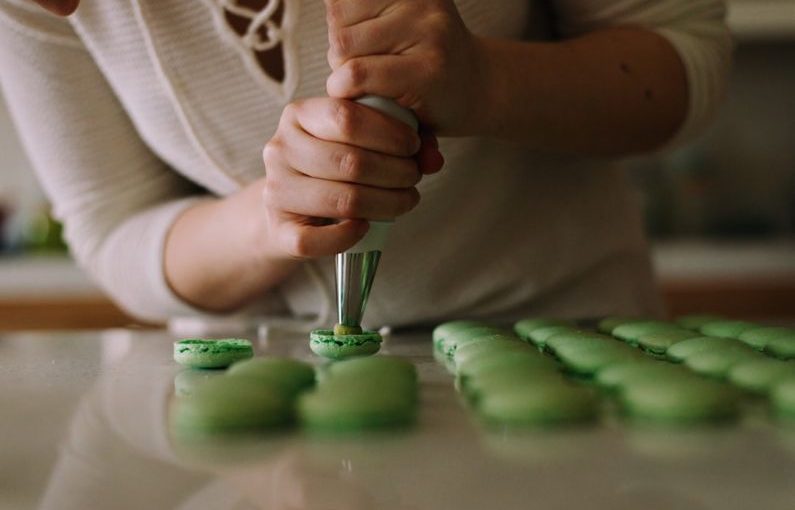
x,y
313,241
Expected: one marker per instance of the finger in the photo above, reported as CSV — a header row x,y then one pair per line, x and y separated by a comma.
x,y
341,162
394,76
379,36
344,121
342,13
307,196
429,158
301,239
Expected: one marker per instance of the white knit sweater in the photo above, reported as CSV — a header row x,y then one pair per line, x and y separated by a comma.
x,y
132,110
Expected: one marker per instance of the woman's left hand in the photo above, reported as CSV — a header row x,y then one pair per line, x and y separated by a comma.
x,y
418,52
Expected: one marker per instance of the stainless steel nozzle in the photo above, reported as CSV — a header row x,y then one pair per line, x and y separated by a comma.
x,y
354,280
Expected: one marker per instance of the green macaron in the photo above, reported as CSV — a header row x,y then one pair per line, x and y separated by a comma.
x,y
292,375
325,343
759,375
507,380
525,327
782,347
454,340
680,351
718,362
695,321
375,366
592,355
631,332
727,329
685,401
625,374
539,337
356,406
576,338
550,403
207,353
502,360
225,405
782,399
441,331
658,343
486,345
758,338
608,324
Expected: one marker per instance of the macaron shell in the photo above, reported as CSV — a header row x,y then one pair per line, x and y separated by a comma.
x,y
631,332
759,375
727,329
782,399
293,375
325,343
541,405
694,400
211,353
782,347
661,341
525,327
718,362
758,338
680,351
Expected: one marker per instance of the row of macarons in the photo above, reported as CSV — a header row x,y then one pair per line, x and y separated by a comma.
x,y
276,393
618,367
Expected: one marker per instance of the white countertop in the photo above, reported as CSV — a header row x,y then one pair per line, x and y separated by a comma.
x,y
103,398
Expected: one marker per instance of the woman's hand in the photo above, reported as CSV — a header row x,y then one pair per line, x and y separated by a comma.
x,y
332,165
339,160
418,52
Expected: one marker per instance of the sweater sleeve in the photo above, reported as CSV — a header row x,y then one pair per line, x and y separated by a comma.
x,y
695,28
117,200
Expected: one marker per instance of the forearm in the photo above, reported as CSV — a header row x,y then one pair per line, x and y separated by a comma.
x,y
610,92
216,256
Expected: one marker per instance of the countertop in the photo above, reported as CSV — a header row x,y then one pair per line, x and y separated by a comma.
x,y
85,427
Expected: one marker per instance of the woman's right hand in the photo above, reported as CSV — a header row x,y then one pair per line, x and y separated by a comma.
x,y
334,159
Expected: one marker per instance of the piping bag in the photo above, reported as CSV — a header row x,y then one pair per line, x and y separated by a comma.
x,y
356,267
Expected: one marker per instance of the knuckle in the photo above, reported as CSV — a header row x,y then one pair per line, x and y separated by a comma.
x,y
348,203
290,111
340,42
271,152
356,71
335,12
345,118
350,166
298,245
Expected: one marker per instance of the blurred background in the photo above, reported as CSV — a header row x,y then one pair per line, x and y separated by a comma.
x,y
721,212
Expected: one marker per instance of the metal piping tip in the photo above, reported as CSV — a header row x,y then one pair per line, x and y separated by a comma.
x,y
354,278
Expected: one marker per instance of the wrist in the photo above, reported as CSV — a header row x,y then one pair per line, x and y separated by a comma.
x,y
486,100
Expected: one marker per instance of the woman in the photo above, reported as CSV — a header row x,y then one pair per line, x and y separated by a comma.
x,y
146,121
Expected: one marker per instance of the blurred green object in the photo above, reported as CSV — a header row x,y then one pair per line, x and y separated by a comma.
x,y
44,234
